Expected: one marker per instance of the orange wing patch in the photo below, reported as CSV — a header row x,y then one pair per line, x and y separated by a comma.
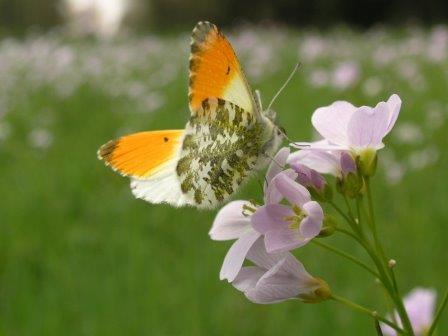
x,y
143,154
215,71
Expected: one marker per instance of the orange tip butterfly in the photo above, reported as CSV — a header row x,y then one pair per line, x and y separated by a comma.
x,y
227,136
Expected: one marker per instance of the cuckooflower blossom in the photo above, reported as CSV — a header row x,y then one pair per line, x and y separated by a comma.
x,y
288,227
420,305
347,127
278,277
233,221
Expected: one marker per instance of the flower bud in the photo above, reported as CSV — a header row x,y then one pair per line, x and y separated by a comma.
x,y
314,182
321,292
348,165
350,183
329,226
367,162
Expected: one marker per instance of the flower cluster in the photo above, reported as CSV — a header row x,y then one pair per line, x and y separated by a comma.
x,y
297,189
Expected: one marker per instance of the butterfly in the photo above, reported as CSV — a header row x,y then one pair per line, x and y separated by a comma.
x,y
227,136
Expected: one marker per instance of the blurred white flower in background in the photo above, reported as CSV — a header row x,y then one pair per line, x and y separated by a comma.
x,y
40,138
98,17
420,159
318,78
408,133
312,47
372,87
420,306
345,75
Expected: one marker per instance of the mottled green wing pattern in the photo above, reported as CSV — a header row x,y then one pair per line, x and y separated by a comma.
x,y
222,145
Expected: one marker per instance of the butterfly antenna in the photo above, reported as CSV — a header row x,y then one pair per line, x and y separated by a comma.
x,y
284,84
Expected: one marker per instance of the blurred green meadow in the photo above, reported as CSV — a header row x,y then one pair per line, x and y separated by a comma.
x,y
79,255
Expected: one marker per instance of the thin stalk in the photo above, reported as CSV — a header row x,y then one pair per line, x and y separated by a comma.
x,y
438,314
352,235
366,311
346,256
338,209
349,208
395,294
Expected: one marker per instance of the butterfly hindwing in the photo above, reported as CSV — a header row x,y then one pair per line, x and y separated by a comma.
x,y
222,145
215,70
149,159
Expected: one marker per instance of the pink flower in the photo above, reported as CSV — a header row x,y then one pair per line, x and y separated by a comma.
x,y
419,304
347,127
233,221
230,223
278,277
284,227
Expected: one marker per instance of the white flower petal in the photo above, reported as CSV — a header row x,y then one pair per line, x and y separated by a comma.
x,y
332,121
277,284
368,126
230,223
321,161
248,277
394,105
236,255
259,256
272,194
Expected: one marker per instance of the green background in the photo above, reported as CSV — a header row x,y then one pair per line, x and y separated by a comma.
x,y
80,256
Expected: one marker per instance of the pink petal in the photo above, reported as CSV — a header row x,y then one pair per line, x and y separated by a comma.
x,y
368,126
332,121
260,257
420,305
321,161
283,240
230,223
276,285
323,145
248,277
270,217
312,224
272,194
291,190
394,105
277,165
236,255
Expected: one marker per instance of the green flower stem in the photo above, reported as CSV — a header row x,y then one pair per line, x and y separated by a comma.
x,y
366,311
346,256
338,209
383,269
349,208
438,314
352,235
383,263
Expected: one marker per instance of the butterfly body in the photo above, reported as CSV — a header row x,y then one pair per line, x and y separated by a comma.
x,y
226,138
222,144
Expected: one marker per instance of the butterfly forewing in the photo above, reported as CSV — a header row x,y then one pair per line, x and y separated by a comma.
x,y
215,70
221,147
